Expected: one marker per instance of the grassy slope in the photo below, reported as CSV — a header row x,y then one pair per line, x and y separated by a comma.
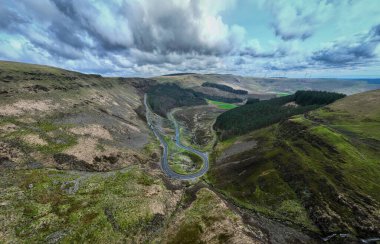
x,y
42,205
320,170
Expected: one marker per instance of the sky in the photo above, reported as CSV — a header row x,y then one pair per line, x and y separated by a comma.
x,y
261,38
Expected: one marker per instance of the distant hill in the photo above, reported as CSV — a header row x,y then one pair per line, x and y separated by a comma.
x,y
278,85
179,74
371,81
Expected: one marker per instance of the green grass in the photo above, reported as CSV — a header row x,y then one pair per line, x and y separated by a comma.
x,y
176,167
200,217
222,105
176,161
282,94
56,136
263,190
37,206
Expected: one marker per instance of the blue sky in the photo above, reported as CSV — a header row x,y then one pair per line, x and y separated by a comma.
x,y
314,38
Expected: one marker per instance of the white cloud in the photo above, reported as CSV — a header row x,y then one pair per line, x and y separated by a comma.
x,y
298,19
145,37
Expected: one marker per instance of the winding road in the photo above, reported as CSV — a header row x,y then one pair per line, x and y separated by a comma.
x,y
164,161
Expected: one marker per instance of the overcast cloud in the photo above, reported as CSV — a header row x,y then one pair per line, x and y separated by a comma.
x,y
151,37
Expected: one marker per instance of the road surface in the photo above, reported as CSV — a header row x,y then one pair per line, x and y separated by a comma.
x,y
164,160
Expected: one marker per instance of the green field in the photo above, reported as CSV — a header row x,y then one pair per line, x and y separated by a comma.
x,y
222,105
282,94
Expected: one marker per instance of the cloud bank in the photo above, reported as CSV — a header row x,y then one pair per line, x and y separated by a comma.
x,y
360,51
144,37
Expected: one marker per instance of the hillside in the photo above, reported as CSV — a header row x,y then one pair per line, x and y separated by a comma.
x,y
78,163
319,171
56,118
256,114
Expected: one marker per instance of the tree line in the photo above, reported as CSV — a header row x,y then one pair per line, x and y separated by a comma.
x,y
225,88
316,97
218,98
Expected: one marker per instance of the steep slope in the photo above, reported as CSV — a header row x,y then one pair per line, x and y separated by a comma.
x,y
320,171
57,118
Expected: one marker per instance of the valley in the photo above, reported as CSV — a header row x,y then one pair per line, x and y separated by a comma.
x,y
190,122
105,159
179,174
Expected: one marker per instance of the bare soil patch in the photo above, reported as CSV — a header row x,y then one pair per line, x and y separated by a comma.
x,y
94,130
26,106
8,128
86,149
34,139
88,154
